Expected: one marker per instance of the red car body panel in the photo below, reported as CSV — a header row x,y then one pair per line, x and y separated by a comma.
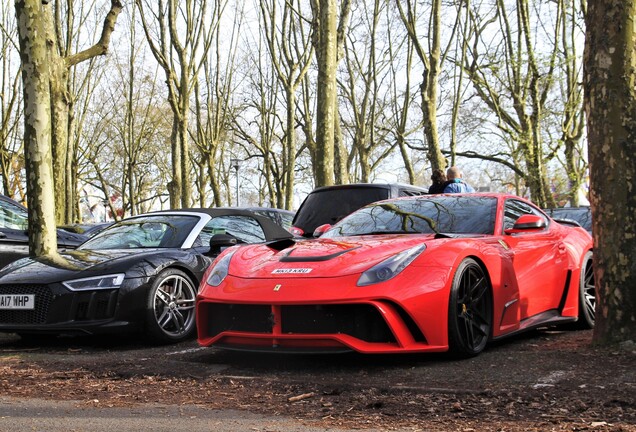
x,y
534,277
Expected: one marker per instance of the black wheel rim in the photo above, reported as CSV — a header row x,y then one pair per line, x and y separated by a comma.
x,y
473,308
589,290
174,305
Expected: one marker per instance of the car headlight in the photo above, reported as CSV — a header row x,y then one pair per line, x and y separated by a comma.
x,y
95,283
220,270
390,267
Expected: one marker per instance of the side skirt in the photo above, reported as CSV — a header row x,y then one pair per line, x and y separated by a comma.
x,y
548,318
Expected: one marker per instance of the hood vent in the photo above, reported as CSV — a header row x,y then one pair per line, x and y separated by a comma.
x,y
289,258
282,244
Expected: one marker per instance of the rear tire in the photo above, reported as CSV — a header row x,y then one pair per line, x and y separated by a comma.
x,y
469,310
587,293
170,307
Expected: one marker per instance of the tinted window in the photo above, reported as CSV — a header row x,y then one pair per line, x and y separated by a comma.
x,y
147,232
331,205
286,220
244,228
457,215
514,209
409,192
12,216
581,215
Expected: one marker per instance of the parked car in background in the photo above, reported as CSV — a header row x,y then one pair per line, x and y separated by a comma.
x,y
87,229
417,274
329,204
283,218
140,274
581,215
14,232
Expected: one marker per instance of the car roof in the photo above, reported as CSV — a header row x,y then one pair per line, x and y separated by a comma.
x,y
273,209
271,228
369,185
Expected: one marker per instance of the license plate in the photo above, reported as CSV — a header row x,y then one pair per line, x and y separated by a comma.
x,y
17,301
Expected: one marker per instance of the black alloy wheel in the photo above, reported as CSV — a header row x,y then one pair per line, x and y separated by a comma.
x,y
171,307
587,293
470,310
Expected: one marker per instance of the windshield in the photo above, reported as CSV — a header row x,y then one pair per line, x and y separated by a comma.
x,y
443,214
164,231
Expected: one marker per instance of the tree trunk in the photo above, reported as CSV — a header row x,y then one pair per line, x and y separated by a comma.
x,y
37,127
610,105
327,54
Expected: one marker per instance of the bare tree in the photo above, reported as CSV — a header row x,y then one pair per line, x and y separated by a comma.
x,y
430,57
180,35
11,150
291,52
402,99
516,90
610,105
573,118
365,90
31,17
326,32
258,126
62,59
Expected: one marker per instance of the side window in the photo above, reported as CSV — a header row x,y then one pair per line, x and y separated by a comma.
x,y
244,228
13,217
409,192
515,209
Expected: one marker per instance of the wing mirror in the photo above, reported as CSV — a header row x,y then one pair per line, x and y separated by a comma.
x,y
526,223
218,242
297,232
321,230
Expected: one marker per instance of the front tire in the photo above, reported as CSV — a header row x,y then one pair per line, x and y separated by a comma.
x,y
469,310
170,307
587,293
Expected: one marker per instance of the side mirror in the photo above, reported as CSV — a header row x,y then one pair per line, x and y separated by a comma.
x,y
220,241
321,230
526,223
296,231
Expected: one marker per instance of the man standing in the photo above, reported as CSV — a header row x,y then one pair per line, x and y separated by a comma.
x,y
455,182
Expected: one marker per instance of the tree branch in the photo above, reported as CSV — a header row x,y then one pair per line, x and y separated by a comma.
x,y
101,47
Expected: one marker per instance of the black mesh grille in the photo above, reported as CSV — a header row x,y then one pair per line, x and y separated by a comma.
x,y
246,318
38,315
358,320
93,305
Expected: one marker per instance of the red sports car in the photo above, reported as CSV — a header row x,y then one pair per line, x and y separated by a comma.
x,y
415,274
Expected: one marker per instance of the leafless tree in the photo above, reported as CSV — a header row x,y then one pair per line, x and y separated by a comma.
x,y
610,105
11,150
180,36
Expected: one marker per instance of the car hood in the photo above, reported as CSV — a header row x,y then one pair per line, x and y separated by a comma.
x,y
77,264
319,257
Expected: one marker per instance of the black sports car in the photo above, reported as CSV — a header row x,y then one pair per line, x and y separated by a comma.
x,y
140,274
14,232
579,215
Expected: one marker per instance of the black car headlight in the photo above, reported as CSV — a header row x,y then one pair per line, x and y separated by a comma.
x,y
220,270
95,283
390,267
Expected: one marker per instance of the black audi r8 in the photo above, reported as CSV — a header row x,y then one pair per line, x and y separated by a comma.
x,y
140,274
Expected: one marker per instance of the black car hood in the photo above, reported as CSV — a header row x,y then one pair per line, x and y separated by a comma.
x,y
78,264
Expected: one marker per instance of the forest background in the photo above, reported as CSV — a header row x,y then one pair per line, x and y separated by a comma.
x,y
206,103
